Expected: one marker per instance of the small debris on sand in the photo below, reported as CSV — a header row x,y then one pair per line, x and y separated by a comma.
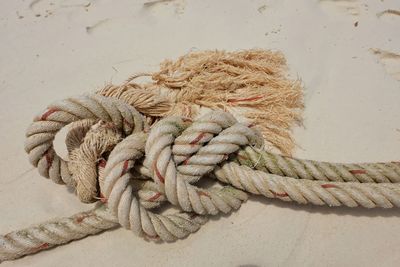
x,y
388,12
90,29
262,8
19,16
152,3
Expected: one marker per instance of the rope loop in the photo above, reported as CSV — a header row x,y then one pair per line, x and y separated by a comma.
x,y
116,158
111,157
41,133
179,152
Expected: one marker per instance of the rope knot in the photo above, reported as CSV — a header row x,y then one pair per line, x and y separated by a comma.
x,y
179,153
112,156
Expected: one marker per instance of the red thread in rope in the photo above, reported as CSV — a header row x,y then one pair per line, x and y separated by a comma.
x,y
40,247
197,139
328,186
358,171
159,176
48,113
49,158
155,197
102,199
186,161
125,167
279,194
80,219
102,163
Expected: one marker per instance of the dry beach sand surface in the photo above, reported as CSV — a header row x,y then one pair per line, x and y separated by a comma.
x,y
347,54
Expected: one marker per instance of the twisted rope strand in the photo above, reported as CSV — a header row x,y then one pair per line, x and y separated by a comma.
x,y
56,232
63,230
178,152
388,172
303,191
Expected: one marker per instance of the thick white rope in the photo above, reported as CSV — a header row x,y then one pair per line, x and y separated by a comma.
x,y
118,190
177,154
55,232
303,191
385,172
63,230
131,214
41,133
176,163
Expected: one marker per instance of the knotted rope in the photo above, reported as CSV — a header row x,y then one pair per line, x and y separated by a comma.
x,y
134,163
388,172
178,153
112,153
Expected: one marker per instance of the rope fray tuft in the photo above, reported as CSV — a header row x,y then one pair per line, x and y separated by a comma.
x,y
249,84
83,160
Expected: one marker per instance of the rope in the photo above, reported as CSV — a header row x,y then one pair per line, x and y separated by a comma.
x,y
41,133
101,138
113,157
252,84
350,194
388,172
131,214
88,140
176,163
63,230
55,232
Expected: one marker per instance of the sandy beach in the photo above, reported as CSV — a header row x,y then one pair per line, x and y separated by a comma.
x,y
346,53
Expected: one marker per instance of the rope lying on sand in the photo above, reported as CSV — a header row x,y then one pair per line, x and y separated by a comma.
x,y
63,230
178,152
116,157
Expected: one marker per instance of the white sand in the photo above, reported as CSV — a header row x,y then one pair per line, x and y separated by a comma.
x,y
352,114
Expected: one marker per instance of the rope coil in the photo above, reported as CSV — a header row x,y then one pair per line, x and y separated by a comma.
x,y
179,152
114,157
41,133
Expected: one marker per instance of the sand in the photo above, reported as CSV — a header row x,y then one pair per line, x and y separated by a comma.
x,y
345,52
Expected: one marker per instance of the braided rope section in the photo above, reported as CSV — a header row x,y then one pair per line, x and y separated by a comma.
x,y
56,232
350,194
41,133
388,172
